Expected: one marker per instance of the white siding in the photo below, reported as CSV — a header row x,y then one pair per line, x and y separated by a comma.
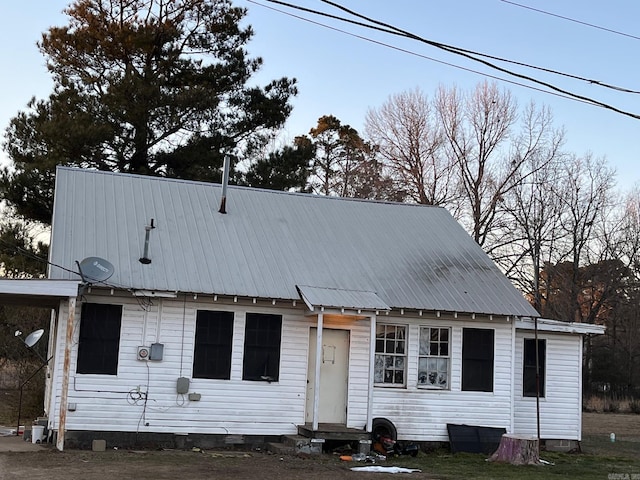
x,y
560,410
112,402
422,415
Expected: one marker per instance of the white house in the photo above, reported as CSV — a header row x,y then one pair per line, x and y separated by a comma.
x,y
289,310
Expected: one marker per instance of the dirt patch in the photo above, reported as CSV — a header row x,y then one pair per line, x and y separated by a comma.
x,y
48,463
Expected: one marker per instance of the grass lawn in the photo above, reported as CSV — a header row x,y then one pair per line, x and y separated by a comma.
x,y
599,460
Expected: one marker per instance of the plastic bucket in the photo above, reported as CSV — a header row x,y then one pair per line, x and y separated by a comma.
x,y
37,432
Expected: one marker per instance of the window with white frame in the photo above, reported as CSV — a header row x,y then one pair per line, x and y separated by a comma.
x,y
434,357
391,355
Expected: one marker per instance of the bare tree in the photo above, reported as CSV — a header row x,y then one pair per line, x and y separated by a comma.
x,y
477,127
531,223
586,198
409,139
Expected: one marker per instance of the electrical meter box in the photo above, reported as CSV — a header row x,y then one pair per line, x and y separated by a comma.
x,y
182,385
157,350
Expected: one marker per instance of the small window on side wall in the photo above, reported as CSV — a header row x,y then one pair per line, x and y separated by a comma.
x,y
529,366
212,354
262,338
99,340
477,359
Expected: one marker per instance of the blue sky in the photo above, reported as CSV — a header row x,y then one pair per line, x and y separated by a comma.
x,y
342,75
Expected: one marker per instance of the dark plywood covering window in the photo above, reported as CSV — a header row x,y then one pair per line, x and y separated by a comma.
x,y
477,359
212,354
262,339
529,366
99,341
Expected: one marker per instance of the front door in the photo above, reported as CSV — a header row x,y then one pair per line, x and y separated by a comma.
x,y
334,375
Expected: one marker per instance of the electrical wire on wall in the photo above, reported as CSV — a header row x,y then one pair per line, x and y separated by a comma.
x,y
144,398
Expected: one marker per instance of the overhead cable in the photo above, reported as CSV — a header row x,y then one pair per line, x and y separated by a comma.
x,y
458,51
396,31
572,20
419,55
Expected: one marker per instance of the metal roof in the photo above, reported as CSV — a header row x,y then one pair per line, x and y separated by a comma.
x,y
410,256
340,298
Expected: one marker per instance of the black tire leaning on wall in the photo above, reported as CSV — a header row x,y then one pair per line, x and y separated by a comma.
x,y
383,427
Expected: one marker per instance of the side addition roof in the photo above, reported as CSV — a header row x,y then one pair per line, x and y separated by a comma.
x,y
269,242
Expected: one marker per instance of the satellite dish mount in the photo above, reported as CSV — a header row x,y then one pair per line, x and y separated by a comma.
x,y
95,269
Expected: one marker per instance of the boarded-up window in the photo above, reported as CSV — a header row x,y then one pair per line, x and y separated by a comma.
x,y
529,366
477,359
212,354
391,355
99,341
262,339
434,357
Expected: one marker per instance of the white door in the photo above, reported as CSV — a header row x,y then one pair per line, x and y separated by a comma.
x,y
334,376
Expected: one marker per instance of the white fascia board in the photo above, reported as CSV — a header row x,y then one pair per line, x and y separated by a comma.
x,y
39,287
548,325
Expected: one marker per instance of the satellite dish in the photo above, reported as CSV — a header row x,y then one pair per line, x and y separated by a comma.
x,y
96,269
33,338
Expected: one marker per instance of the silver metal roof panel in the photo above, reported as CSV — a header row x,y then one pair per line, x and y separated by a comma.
x,y
340,298
411,256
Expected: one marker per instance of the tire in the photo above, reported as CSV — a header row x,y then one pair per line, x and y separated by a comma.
x,y
382,427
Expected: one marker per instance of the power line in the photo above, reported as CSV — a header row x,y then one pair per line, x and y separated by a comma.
x,y
458,51
397,31
419,55
572,20
26,253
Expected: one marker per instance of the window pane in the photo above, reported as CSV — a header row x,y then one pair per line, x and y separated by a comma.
x,y
390,359
433,369
424,342
434,335
212,354
262,347
99,339
444,334
477,359
529,385
378,372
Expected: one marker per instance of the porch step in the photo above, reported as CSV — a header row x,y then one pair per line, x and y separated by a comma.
x,y
333,431
296,445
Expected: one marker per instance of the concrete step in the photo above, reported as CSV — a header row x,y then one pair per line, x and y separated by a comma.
x,y
297,444
280,448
